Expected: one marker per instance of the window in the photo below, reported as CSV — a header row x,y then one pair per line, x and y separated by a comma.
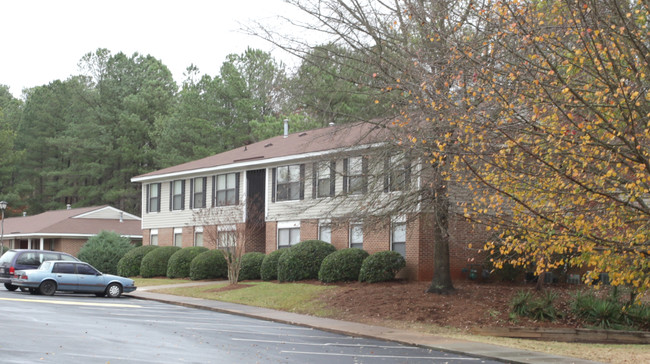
x,y
227,238
86,270
354,175
325,232
288,233
398,237
153,237
226,189
398,173
324,176
198,236
356,236
67,268
289,183
153,197
177,195
197,193
178,237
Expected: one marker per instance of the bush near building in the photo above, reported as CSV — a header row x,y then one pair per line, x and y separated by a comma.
x,y
342,265
209,265
179,263
302,261
381,267
104,251
154,264
269,269
129,265
251,264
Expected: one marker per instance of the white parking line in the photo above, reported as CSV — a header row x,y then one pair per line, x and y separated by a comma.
x,y
381,356
328,344
72,303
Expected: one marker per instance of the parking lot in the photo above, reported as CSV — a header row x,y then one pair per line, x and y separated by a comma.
x,y
81,328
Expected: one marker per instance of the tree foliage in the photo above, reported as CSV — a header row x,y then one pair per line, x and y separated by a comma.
x,y
104,251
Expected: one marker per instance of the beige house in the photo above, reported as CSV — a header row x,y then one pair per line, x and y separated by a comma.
x,y
67,230
287,189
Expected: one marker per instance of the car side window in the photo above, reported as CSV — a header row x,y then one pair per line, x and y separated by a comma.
x,y
67,268
28,258
49,256
67,257
86,269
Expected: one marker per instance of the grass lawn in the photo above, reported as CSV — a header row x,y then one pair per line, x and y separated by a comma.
x,y
146,282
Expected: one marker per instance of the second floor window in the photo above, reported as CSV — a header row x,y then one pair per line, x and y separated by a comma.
x,y
397,173
289,182
197,193
226,189
153,197
177,192
354,175
324,176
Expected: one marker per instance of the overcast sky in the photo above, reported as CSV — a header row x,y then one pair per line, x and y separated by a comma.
x,y
43,40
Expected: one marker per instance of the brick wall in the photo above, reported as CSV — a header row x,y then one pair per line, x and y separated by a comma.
x,y
271,236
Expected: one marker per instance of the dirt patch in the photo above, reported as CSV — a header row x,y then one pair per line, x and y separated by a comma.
x,y
471,305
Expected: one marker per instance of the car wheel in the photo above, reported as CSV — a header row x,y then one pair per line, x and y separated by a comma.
x,y
10,287
114,290
47,288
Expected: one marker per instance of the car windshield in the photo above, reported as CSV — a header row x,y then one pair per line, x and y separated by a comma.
x,y
45,265
7,257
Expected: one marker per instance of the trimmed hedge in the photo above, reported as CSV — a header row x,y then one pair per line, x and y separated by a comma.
x,y
251,264
269,269
302,261
209,265
179,263
381,267
129,265
342,265
104,251
154,264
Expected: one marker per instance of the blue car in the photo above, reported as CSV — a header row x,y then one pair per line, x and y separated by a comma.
x,y
67,276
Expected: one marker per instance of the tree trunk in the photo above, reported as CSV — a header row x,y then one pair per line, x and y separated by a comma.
x,y
441,282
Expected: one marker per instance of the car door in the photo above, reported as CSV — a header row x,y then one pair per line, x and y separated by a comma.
x,y
89,279
65,276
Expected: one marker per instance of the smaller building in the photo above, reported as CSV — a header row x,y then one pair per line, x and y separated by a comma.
x,y
68,230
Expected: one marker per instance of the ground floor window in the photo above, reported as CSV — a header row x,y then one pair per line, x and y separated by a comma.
x,y
325,232
356,236
153,237
398,237
288,233
178,237
198,236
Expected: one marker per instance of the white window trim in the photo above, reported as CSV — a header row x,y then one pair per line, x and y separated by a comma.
x,y
197,230
327,223
153,232
176,232
284,225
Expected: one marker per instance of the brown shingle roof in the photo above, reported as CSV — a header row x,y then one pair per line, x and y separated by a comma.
x,y
312,141
65,222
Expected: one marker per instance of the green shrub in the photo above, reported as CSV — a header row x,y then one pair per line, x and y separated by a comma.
x,y
179,263
250,266
381,267
104,251
638,316
3,249
154,264
342,265
540,307
605,313
209,265
269,269
129,265
302,261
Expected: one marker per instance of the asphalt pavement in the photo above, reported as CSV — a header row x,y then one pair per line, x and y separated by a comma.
x,y
450,345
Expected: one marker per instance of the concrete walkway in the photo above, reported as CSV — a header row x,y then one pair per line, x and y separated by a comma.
x,y
477,349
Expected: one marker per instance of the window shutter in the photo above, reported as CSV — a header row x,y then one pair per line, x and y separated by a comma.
x,y
147,202
192,193
407,174
183,195
214,191
159,197
364,171
273,183
387,174
332,178
314,180
171,195
345,175
302,181
205,190
237,188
